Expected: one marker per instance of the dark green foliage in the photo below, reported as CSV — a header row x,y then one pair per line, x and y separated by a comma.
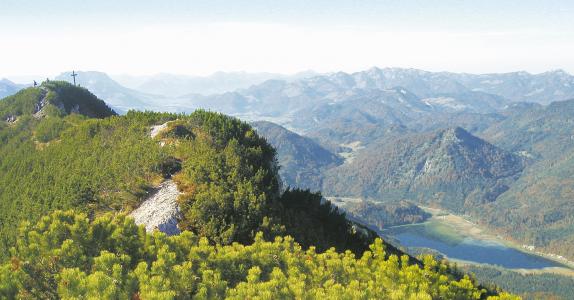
x,y
229,172
529,286
100,165
56,160
177,130
23,102
76,99
49,129
170,166
313,221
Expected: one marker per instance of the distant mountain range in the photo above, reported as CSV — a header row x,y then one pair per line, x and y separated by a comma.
x,y
117,96
8,87
267,95
278,97
364,106
173,85
542,88
439,91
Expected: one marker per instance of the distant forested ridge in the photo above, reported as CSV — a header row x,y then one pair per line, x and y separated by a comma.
x,y
528,286
302,160
385,215
537,209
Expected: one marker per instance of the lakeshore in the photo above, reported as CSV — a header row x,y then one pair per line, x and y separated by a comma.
x,y
468,243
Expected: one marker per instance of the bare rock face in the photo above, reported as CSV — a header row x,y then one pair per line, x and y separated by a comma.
x,y
160,210
39,111
155,130
39,106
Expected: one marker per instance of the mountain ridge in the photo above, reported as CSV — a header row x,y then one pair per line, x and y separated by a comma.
x,y
53,98
301,159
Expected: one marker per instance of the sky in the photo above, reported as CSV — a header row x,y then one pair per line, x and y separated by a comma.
x,y
201,37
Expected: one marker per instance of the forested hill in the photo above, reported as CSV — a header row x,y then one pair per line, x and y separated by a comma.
x,y
537,210
55,98
448,167
77,154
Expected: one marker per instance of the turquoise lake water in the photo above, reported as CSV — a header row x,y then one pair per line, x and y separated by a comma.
x,y
467,248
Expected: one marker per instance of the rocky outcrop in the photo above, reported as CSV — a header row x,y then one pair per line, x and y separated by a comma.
x,y
160,210
11,119
39,107
155,130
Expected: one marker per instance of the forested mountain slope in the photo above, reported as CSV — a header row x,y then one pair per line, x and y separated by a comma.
x,y
537,131
110,164
227,176
8,88
450,168
537,209
301,159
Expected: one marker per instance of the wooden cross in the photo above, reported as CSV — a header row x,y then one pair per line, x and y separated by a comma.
x,y
74,76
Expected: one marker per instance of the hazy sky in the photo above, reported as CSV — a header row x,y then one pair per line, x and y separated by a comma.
x,y
200,37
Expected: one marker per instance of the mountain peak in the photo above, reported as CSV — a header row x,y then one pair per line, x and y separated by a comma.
x,y
459,132
53,98
559,72
459,136
6,81
91,73
447,166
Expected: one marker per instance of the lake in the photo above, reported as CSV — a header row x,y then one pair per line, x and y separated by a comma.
x,y
456,245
